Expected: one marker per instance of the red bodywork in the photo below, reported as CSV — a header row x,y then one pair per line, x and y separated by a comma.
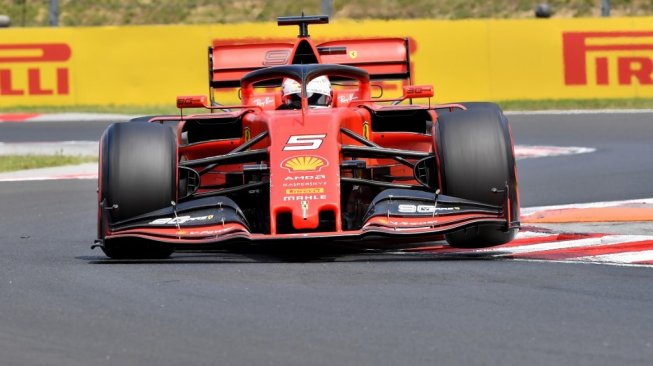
x,y
305,171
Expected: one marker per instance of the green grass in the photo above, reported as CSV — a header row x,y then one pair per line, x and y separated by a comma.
x,y
113,109
10,163
31,13
632,103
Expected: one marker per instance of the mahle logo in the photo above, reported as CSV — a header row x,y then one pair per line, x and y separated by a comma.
x,y
608,58
34,69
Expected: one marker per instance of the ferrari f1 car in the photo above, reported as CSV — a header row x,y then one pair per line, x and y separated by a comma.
x,y
358,170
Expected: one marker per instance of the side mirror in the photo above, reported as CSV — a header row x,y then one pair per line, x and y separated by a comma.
x,y
192,101
418,91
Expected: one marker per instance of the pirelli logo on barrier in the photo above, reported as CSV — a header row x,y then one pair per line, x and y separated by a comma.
x,y
34,69
608,58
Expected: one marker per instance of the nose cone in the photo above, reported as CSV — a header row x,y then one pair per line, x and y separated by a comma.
x,y
305,170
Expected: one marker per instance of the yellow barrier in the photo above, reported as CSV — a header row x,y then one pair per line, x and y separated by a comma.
x,y
465,60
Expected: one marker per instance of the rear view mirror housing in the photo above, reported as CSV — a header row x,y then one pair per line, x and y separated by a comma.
x,y
192,101
418,91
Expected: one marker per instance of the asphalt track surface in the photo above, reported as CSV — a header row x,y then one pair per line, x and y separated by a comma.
x,y
64,304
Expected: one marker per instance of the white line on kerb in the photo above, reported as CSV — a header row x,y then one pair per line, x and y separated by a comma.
x,y
580,111
565,261
590,242
525,211
626,257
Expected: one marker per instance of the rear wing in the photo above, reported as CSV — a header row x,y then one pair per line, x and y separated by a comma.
x,y
228,63
382,58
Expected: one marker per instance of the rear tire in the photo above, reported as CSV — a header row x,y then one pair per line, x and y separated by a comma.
x,y
475,152
139,175
142,119
471,106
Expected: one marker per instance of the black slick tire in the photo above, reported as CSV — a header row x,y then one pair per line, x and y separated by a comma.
x,y
139,175
475,155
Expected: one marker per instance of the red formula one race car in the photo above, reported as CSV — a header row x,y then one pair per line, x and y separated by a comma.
x,y
309,157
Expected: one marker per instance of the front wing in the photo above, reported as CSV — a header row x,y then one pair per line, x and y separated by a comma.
x,y
214,221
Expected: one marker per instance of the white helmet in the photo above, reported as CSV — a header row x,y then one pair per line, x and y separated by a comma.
x,y
318,92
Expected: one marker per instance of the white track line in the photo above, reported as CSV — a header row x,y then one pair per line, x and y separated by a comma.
x,y
80,117
85,148
580,111
533,234
625,257
531,151
60,177
532,210
564,261
82,171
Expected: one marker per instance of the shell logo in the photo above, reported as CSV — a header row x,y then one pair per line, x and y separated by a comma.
x,y
304,163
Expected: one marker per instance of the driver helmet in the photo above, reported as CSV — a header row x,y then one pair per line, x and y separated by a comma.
x,y
318,92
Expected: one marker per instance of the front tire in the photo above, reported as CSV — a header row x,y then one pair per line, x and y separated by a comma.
x,y
475,152
138,175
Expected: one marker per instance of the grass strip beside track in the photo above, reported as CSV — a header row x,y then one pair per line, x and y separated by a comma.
x,y
572,104
508,105
23,162
129,12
